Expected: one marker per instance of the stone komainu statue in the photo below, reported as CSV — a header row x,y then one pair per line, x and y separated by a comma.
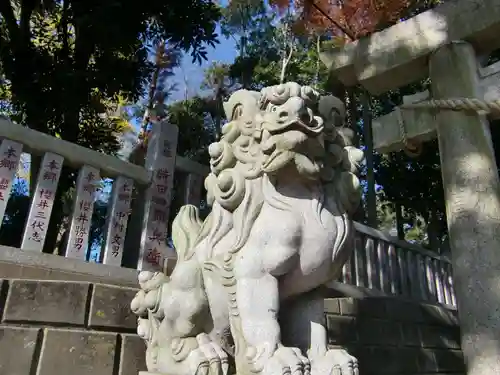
x,y
282,185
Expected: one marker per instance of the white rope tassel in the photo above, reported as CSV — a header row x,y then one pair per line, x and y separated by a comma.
x,y
411,148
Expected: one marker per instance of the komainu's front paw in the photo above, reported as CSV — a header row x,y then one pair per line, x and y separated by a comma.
x,y
283,360
199,356
148,296
216,356
334,362
151,280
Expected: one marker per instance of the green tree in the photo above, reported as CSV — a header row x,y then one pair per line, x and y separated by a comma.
x,y
409,188
219,83
64,61
197,130
196,127
248,22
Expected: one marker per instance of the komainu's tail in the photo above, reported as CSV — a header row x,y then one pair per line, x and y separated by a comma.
x,y
185,230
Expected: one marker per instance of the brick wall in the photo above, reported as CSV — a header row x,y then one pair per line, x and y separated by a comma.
x,y
391,336
79,328
68,328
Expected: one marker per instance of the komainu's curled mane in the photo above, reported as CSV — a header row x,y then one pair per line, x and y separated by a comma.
x,y
282,186
281,128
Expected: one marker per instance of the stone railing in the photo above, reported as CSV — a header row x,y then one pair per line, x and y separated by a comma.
x,y
394,267
153,182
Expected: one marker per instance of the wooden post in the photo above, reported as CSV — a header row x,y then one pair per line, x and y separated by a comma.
x,y
471,184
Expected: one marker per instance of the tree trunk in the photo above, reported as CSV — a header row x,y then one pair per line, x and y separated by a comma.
x,y
352,119
338,89
371,199
399,220
352,111
432,231
218,111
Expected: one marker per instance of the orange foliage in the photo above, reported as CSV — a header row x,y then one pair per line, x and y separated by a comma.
x,y
355,18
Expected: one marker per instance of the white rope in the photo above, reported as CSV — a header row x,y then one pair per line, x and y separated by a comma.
x,y
411,148
455,104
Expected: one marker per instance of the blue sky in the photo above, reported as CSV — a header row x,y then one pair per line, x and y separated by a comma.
x,y
224,52
192,74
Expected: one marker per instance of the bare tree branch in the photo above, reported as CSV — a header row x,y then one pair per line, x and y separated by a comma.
x,y
338,25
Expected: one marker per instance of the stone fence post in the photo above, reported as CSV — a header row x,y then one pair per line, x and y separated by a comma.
x,y
193,188
145,246
160,161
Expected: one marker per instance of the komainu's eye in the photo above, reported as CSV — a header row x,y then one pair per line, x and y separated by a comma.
x,y
237,112
272,108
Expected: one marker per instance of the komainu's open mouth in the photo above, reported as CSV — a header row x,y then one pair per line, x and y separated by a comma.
x,y
277,160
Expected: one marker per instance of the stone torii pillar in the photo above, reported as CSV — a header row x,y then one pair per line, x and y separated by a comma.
x,y
425,46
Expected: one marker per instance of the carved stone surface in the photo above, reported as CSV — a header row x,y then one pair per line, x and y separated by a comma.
x,y
83,206
160,161
116,221
282,185
41,205
10,154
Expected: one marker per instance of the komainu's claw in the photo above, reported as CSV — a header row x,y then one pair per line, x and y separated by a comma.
x,y
336,362
217,358
147,297
305,361
151,280
138,305
292,359
282,361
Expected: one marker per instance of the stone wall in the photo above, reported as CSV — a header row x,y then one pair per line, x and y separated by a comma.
x,y
68,328
80,328
391,336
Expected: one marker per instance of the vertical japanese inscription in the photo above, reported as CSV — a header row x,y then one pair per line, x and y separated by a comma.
x,y
161,162
83,206
10,154
116,221
42,202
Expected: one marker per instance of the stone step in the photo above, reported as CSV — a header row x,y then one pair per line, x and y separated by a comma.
x,y
22,264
